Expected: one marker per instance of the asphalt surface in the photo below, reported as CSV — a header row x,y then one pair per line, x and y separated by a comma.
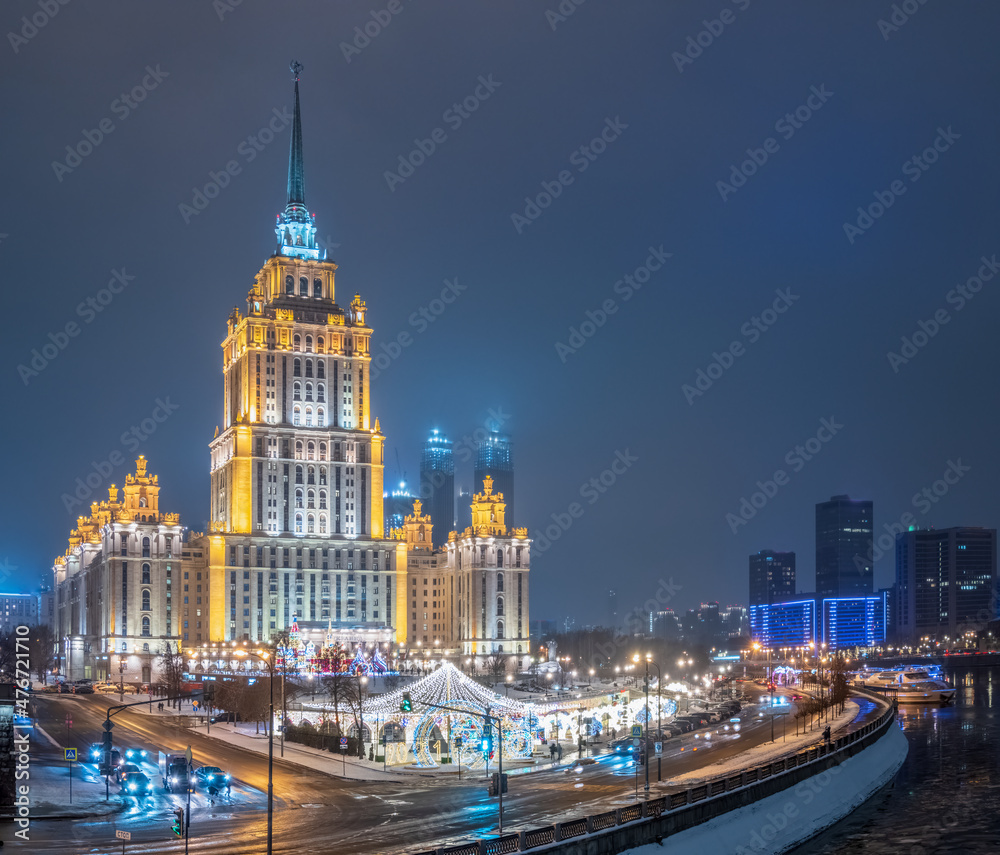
x,y
317,813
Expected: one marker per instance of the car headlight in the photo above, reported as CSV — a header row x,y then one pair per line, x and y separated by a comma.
x,y
173,780
131,787
227,777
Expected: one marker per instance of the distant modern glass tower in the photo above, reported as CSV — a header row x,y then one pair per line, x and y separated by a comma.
x,y
772,577
843,547
396,506
946,581
437,485
493,458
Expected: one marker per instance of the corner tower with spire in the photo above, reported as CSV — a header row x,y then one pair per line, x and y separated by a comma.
x,y
297,463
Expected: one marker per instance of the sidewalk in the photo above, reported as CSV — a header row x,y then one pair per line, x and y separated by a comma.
x,y
49,789
759,754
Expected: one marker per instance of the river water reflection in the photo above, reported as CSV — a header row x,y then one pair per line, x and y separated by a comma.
x,y
946,797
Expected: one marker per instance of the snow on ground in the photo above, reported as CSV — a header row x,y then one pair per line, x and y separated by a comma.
x,y
786,819
768,751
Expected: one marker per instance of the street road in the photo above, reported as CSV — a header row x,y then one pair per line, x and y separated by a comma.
x,y
317,813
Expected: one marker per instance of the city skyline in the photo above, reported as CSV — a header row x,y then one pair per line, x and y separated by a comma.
x,y
706,317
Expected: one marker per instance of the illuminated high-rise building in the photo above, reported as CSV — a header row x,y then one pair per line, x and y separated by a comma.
x,y
772,577
844,548
395,506
437,484
493,460
296,527
946,581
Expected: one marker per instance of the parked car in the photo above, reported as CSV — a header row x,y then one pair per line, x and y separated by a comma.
x,y
684,725
136,784
83,689
66,688
226,717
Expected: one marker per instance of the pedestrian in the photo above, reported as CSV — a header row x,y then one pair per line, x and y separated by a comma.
x,y
229,786
559,751
552,751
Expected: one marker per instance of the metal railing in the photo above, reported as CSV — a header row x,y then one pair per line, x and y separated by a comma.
x,y
654,808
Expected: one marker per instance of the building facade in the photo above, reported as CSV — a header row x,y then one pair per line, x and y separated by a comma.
x,y
437,484
116,588
297,468
844,548
791,624
19,610
772,577
854,621
946,581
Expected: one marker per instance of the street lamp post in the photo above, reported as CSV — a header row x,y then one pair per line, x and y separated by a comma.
x,y
267,660
659,709
645,747
361,718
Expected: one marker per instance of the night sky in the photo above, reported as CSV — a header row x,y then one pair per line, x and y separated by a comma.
x,y
529,262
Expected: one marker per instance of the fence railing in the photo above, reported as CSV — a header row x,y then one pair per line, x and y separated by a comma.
x,y
654,808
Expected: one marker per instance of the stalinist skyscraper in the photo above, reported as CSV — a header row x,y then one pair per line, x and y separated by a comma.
x,y
296,507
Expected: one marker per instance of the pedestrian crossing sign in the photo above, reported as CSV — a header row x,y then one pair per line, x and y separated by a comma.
x,y
636,730
69,754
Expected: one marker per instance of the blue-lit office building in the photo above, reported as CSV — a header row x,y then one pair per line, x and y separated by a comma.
x,y
395,506
854,621
789,624
437,486
493,458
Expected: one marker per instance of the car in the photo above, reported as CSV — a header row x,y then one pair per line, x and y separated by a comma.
x,y
673,728
684,725
105,768
83,689
94,753
627,745
66,688
126,769
136,755
226,717
136,784
211,777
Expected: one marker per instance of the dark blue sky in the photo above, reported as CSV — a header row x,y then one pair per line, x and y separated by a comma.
x,y
553,86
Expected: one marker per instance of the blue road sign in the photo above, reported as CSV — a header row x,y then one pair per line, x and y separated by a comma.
x,y
69,754
636,730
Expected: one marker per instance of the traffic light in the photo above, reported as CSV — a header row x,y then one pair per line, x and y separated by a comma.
x,y
487,744
498,782
407,704
178,825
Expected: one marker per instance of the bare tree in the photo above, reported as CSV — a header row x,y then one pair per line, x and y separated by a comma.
x,y
8,656
342,690
42,651
171,663
496,666
256,704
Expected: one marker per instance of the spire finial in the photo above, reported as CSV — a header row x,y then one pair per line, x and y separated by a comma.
x,y
295,229
296,177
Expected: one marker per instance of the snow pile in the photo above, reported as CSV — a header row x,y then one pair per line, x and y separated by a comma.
x,y
786,819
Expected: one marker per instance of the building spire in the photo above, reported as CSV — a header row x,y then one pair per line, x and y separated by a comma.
x,y
295,228
296,176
